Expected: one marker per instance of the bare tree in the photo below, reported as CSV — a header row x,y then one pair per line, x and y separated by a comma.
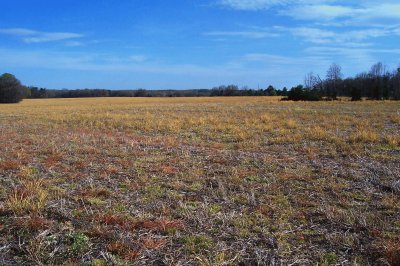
x,y
379,81
396,84
312,81
334,72
333,78
377,70
309,80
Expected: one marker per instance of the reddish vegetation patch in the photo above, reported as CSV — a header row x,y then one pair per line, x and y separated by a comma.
x,y
132,255
10,165
159,225
386,250
117,247
392,252
110,169
168,170
112,219
53,160
33,223
95,192
131,251
26,142
151,243
124,250
153,225
79,165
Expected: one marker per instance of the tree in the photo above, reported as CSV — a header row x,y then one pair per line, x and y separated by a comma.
x,y
377,70
284,92
296,93
396,85
11,89
379,81
333,79
231,90
312,81
271,91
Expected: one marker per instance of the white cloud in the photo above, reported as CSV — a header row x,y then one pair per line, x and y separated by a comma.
x,y
340,11
345,13
314,34
321,36
286,60
360,58
265,4
251,4
322,50
32,36
319,12
244,34
386,11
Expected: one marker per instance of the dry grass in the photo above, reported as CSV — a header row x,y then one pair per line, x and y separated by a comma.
x,y
199,181
29,197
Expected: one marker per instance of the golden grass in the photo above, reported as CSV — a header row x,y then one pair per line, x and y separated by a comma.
x,y
225,120
28,198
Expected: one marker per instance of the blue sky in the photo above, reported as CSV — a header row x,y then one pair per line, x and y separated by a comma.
x,y
179,44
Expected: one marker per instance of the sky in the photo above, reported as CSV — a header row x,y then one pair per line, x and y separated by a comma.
x,y
188,44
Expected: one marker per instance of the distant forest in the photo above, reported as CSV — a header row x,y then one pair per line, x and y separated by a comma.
x,y
379,84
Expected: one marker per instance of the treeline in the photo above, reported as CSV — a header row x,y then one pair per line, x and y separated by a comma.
x,y
230,90
233,90
36,93
377,84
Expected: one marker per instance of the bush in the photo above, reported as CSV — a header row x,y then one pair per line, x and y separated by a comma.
x,y
11,90
299,93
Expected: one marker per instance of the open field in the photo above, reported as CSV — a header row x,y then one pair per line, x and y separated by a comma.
x,y
199,181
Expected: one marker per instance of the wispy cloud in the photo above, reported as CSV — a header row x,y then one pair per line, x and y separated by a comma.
x,y
94,62
266,4
319,12
323,36
244,34
339,11
320,60
314,34
363,56
32,36
235,71
347,14
326,50
252,4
